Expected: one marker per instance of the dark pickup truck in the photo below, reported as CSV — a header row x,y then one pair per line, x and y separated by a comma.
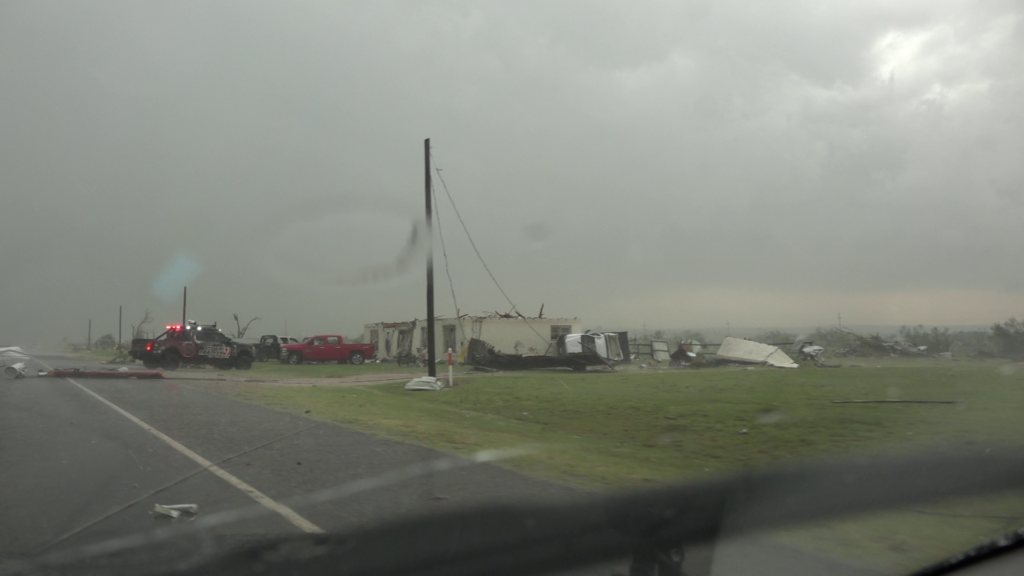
x,y
270,345
192,345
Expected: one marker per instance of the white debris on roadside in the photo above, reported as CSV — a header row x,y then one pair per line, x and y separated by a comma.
x,y
165,511
426,383
175,510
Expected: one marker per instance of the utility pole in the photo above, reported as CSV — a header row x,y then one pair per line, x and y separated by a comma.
x,y
88,339
184,301
119,327
840,316
431,360
286,327
727,331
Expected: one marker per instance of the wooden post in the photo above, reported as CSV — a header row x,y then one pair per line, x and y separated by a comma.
x,y
431,359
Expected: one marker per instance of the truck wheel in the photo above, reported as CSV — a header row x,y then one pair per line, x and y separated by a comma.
x,y
356,358
170,361
243,363
151,363
295,358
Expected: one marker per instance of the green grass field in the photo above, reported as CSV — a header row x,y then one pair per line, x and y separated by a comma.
x,y
608,430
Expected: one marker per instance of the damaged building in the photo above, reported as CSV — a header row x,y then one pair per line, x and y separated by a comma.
x,y
506,333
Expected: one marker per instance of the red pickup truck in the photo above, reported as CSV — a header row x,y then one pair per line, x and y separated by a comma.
x,y
326,348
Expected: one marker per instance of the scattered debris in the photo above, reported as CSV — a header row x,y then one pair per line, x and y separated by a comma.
x,y
894,402
174,510
165,511
426,383
744,431
659,351
190,508
17,370
576,351
14,360
739,350
684,353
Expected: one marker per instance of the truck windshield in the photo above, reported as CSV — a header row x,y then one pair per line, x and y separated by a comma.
x,y
211,336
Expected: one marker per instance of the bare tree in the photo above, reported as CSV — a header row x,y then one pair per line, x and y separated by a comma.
x,y
137,330
240,330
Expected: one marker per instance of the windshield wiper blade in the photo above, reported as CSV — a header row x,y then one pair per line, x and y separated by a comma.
x,y
995,547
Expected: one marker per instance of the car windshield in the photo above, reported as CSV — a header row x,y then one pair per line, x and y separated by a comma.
x,y
555,252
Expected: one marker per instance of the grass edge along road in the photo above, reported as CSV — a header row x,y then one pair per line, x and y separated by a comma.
x,y
602,430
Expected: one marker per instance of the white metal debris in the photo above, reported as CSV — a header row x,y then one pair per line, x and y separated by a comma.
x,y
175,510
15,371
659,351
165,511
12,355
425,383
190,508
604,345
739,350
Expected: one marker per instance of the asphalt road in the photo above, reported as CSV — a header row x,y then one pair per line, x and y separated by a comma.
x,y
79,468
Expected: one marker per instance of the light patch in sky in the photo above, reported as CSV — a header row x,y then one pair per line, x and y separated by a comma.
x,y
178,273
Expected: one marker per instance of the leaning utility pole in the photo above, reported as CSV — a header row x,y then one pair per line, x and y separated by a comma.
x,y
431,360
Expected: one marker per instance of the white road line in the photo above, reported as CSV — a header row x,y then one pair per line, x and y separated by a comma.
x,y
288,514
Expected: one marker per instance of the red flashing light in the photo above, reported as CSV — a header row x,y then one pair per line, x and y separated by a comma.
x,y
149,346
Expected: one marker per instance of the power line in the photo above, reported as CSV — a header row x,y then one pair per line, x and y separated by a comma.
x,y
478,255
468,235
444,252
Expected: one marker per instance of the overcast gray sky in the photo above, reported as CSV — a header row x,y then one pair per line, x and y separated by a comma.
x,y
677,164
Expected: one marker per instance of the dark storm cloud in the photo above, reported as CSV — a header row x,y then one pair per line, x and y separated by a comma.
x,y
827,151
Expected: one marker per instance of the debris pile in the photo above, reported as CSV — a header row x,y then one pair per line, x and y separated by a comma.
x,y
750,352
